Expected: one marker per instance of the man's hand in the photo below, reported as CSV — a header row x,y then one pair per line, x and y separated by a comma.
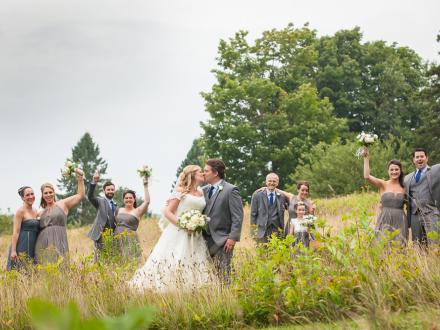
x,y
229,245
95,177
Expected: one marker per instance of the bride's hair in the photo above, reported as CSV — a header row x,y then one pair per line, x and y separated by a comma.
x,y
186,178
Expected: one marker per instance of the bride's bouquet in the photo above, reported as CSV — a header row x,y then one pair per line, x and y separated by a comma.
x,y
193,220
308,221
69,168
145,171
365,139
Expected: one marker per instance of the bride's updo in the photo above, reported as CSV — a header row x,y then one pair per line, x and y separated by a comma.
x,y
187,177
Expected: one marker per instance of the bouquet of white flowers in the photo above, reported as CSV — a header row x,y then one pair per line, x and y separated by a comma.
x,y
69,168
365,139
193,220
144,171
308,220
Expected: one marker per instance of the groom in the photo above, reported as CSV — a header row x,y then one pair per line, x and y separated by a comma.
x,y
225,210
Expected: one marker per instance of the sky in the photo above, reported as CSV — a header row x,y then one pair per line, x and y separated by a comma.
x,y
130,73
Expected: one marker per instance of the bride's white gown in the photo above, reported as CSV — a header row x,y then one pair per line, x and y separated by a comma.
x,y
179,260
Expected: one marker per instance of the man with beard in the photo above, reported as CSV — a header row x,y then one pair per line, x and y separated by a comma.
x,y
107,210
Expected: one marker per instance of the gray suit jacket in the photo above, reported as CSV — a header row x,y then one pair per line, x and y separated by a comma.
x,y
104,213
225,210
260,211
433,182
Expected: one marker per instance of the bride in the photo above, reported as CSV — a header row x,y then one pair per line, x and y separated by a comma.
x,y
180,259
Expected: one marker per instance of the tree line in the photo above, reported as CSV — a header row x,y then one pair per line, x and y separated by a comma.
x,y
292,102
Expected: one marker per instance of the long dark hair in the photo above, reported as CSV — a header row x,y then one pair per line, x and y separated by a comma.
x,y
402,175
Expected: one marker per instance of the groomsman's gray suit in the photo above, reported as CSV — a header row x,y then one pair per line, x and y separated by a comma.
x,y
267,218
104,218
424,203
225,209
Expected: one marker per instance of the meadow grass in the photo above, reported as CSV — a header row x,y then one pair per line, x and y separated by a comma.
x,y
348,279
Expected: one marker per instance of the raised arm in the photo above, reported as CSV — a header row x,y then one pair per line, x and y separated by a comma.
x,y
91,191
286,193
141,209
69,202
373,180
18,218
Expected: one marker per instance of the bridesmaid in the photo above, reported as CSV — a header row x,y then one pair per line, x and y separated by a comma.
x,y
52,240
127,222
25,231
392,198
303,189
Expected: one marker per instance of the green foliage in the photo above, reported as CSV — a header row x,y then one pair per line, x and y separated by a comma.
x,y
85,154
334,169
277,98
47,316
254,122
6,224
353,273
428,134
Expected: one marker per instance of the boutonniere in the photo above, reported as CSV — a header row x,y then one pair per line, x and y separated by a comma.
x,y
278,194
220,188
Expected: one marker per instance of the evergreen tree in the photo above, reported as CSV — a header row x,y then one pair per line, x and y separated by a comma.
x,y
85,154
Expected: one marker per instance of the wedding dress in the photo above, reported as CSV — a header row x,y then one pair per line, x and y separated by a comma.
x,y
179,260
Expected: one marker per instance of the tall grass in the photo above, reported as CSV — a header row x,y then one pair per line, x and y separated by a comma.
x,y
349,275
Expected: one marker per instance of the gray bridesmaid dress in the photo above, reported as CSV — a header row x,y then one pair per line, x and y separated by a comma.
x,y
125,234
25,244
392,216
52,240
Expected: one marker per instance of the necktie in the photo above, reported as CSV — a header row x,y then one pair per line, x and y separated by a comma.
x,y
271,198
418,175
211,190
113,207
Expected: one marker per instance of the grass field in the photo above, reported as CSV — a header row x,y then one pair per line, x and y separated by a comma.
x,y
346,281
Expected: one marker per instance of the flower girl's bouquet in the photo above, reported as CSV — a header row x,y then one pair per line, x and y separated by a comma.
x,y
145,171
365,139
308,221
193,220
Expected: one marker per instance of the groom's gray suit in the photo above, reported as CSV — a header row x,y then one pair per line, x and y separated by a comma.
x,y
424,203
225,210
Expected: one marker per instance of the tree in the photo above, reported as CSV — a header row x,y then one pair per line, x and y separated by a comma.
x,y
428,134
86,155
254,122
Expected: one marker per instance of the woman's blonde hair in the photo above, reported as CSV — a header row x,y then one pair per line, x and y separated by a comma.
x,y
43,203
187,176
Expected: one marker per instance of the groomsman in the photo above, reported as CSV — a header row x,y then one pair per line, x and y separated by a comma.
x,y
107,210
267,210
423,188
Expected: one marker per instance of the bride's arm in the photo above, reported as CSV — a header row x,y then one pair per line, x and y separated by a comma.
x,y
170,210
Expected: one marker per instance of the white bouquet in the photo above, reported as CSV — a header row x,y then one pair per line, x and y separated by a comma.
x,y
308,220
144,171
365,139
193,220
69,168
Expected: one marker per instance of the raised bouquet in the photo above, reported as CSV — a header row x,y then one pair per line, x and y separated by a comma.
x,y
193,220
365,139
308,221
69,168
145,171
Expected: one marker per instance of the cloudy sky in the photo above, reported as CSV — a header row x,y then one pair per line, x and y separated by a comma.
x,y
130,73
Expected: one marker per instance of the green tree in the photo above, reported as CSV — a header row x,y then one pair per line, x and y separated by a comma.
x,y
428,134
86,155
254,122
333,169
